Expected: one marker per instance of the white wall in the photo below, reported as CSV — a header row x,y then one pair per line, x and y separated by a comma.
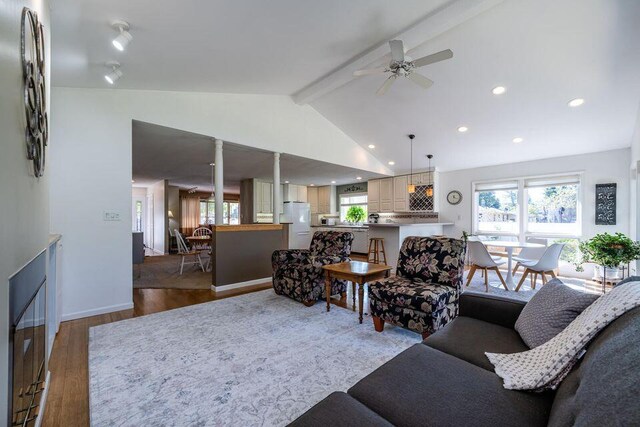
x,y
24,210
92,136
597,168
159,193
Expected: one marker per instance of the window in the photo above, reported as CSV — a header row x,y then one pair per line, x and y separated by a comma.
x,y
138,219
552,206
231,212
546,206
496,207
348,200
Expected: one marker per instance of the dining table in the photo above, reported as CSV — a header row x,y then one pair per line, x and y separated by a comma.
x,y
200,241
509,246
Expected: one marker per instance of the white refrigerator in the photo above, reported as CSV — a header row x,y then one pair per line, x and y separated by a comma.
x,y
298,215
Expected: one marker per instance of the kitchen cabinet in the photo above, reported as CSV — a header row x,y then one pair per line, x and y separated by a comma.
x,y
360,240
312,199
263,196
373,196
294,193
386,195
327,199
400,193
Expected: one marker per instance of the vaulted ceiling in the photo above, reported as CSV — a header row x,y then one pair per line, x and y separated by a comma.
x,y
545,52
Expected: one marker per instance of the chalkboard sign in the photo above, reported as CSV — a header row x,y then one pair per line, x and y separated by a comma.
x,y
606,204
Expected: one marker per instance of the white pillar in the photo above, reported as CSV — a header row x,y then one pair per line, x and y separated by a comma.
x,y
276,188
219,183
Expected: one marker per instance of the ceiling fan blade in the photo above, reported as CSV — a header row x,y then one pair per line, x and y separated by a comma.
x,y
397,50
420,80
386,85
430,59
369,71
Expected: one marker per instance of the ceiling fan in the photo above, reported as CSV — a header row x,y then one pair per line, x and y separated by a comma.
x,y
404,66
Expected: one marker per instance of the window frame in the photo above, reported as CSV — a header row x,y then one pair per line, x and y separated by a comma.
x,y
226,217
361,194
523,206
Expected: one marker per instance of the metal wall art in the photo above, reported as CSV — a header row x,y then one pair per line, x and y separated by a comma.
x,y
35,89
606,204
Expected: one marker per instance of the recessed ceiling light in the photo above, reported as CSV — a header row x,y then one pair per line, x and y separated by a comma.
x,y
463,129
124,37
576,102
133,180
372,146
392,163
498,90
286,182
312,185
518,140
333,182
358,178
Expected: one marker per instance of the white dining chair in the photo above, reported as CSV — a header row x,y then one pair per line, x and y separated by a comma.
x,y
545,265
202,231
530,254
477,239
481,259
184,252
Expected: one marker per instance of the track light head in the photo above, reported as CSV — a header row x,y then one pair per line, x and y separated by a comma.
x,y
115,73
123,39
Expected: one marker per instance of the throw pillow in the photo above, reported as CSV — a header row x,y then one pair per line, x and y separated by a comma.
x,y
549,311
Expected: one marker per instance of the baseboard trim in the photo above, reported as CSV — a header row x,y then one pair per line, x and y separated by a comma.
x,y
97,311
239,284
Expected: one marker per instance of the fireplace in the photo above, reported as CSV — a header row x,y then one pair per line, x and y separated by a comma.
x,y
27,342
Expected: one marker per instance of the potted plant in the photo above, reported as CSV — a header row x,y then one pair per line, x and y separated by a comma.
x,y
355,214
608,251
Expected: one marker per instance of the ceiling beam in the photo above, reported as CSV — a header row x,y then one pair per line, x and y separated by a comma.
x,y
433,25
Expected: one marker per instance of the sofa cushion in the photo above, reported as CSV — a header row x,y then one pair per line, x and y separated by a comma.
x,y
412,293
604,388
550,311
432,260
340,410
423,386
468,339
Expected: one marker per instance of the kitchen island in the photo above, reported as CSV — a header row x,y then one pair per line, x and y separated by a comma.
x,y
394,234
242,254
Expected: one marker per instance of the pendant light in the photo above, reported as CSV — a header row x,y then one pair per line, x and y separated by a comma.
x,y
411,188
429,191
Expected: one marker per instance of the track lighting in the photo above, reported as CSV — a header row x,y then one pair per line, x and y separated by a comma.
x,y
115,73
124,37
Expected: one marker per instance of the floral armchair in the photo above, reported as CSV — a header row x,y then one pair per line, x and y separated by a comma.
x,y
298,274
423,295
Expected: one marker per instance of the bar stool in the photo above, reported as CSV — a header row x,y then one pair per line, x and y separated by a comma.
x,y
376,248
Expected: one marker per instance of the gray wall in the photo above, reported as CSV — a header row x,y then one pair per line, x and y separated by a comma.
x,y
252,249
24,210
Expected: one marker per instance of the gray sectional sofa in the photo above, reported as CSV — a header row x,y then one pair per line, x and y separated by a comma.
x,y
448,381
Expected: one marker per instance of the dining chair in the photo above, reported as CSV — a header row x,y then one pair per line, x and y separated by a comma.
x,y
530,254
545,265
477,239
481,259
202,231
184,251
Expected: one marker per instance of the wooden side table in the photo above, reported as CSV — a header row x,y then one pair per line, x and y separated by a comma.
x,y
356,272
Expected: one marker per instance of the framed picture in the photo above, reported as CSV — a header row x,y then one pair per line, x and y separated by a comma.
x,y
606,204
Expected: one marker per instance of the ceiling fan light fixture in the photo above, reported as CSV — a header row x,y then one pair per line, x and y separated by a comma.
x,y
498,90
124,38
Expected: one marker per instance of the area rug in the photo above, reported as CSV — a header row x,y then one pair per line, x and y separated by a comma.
x,y
163,272
254,360
524,294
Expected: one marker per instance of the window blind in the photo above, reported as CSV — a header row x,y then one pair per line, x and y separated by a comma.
x,y
551,181
495,186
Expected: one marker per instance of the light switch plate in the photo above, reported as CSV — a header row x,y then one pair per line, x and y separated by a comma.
x,y
111,216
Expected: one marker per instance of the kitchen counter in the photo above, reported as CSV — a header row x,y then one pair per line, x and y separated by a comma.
x,y
341,226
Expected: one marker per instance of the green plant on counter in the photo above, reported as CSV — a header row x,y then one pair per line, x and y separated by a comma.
x,y
355,214
608,250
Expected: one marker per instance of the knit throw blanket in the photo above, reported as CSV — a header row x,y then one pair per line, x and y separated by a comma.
x,y
545,366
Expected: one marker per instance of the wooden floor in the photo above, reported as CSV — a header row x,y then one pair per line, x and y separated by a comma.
x,y
68,399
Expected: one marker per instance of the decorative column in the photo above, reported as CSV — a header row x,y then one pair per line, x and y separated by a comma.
x,y
276,188
219,183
